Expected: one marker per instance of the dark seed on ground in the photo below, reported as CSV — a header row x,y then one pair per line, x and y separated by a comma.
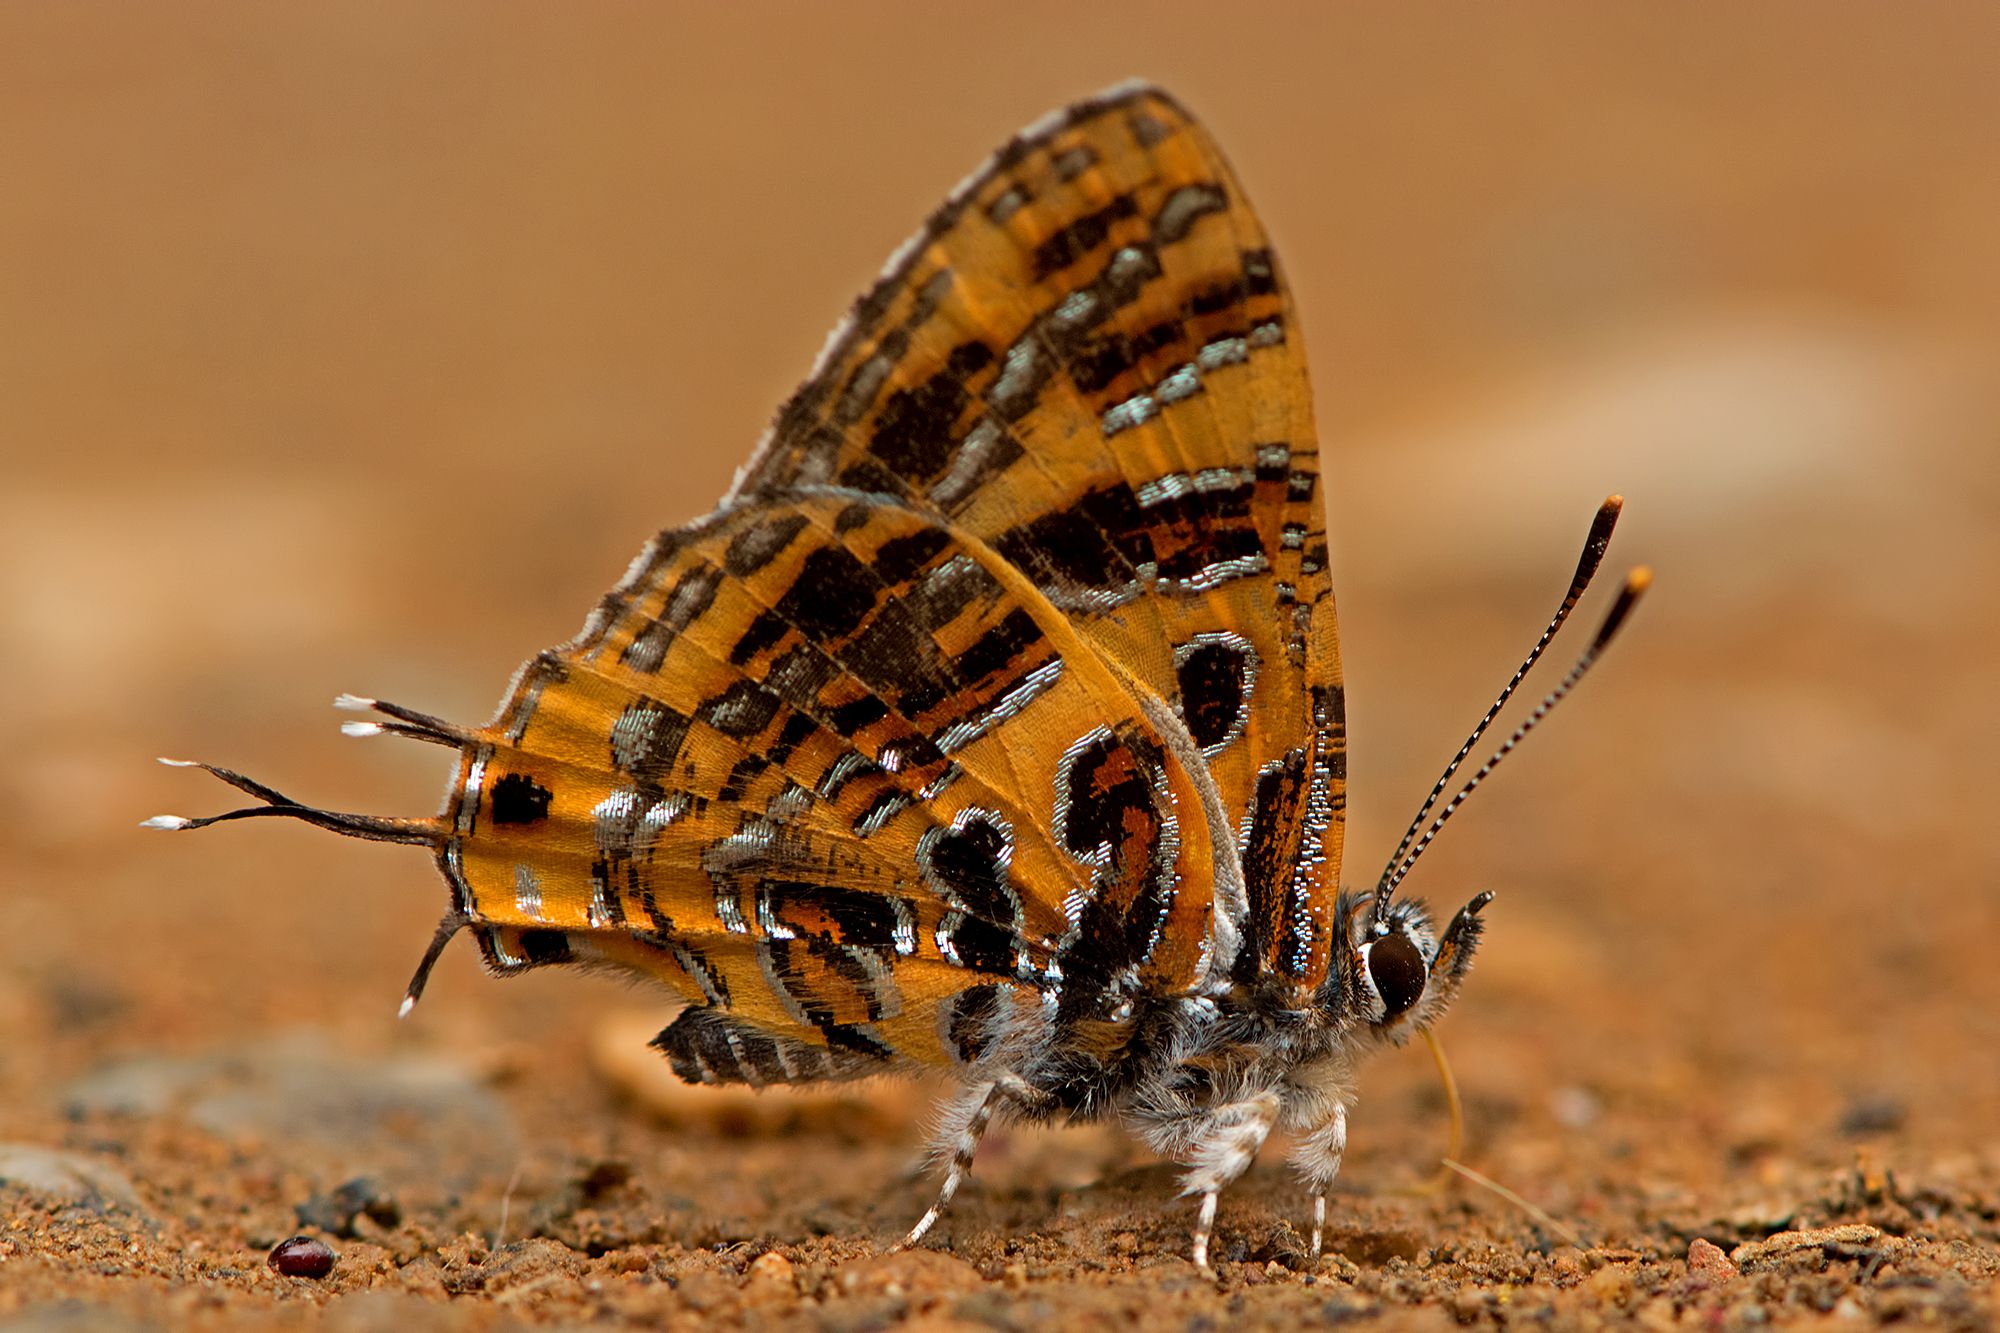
x,y
302,1256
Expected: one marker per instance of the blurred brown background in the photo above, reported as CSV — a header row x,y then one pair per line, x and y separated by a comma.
x,y
357,347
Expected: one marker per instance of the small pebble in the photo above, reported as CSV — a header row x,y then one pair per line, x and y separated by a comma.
x,y
771,1267
1707,1259
302,1256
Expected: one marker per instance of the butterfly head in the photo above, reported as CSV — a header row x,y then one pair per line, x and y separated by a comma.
x,y
1404,973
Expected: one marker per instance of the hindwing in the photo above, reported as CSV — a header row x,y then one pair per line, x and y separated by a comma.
x,y
825,762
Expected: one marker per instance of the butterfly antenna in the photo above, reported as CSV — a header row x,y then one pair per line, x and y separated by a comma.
x,y
1594,547
277,805
1635,587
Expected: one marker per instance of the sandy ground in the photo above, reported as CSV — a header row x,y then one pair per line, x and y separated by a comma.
x,y
359,349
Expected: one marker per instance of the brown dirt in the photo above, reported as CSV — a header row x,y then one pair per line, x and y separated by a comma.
x,y
358,349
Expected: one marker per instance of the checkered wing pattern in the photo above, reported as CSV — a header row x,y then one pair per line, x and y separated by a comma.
x,y
1004,680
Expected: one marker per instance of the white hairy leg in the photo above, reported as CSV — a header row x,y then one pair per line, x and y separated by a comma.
x,y
961,1125
1224,1141
1317,1159
960,1128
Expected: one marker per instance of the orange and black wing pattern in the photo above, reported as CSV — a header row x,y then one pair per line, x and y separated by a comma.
x,y
1088,360
839,771
997,705
1004,681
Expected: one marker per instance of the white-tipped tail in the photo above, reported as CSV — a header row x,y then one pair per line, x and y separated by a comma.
x,y
178,763
362,728
165,821
403,1009
353,703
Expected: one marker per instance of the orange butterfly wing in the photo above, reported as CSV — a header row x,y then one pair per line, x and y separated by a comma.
x,y
824,763
1088,358
1006,679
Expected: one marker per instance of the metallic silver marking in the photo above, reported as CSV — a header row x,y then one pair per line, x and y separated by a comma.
x,y
1079,309
632,734
879,815
961,734
947,928
1274,455
1267,335
530,699
598,914
1293,536
1221,478
471,793
1003,861
613,817
1162,489
672,806
842,335
648,649
1129,266
962,477
510,961
905,931
733,711
1222,352
1219,573
767,917
930,790
1183,382
840,773
1184,207
527,892
1018,374
789,803
862,387
1134,411
1007,203
1073,162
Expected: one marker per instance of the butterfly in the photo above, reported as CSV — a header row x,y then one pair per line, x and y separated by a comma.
x,y
993,722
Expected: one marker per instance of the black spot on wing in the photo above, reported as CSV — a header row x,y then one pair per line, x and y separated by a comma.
x,y
832,595
519,799
1214,683
967,866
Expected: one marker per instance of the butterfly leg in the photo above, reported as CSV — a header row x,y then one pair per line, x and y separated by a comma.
x,y
961,1127
1224,1142
1317,1158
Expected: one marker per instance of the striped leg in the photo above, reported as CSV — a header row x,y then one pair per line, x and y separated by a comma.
x,y
1225,1142
961,1126
1317,1159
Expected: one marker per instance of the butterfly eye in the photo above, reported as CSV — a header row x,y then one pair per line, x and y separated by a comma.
x,y
1396,966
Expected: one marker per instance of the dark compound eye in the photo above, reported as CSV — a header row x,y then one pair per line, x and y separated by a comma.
x,y
1397,968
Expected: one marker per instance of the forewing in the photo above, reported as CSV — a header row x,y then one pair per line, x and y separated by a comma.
x,y
1087,359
